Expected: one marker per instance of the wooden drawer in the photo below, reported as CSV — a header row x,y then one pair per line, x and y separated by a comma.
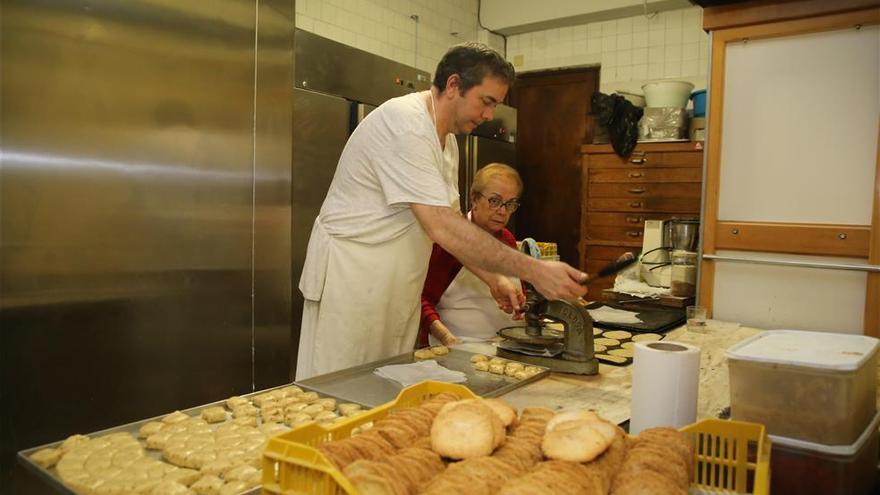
x,y
663,175
623,219
671,205
633,233
606,254
594,289
645,191
647,159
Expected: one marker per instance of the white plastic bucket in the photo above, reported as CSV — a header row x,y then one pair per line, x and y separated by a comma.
x,y
668,93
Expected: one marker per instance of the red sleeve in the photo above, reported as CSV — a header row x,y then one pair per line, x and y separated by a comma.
x,y
442,269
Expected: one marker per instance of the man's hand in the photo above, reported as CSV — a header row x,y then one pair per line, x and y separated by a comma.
x,y
507,295
558,280
440,332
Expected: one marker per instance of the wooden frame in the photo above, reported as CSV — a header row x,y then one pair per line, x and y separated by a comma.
x,y
861,241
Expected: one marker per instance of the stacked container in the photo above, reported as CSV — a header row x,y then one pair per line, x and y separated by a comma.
x,y
816,394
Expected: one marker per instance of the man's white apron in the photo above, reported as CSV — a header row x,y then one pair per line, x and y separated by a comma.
x,y
360,320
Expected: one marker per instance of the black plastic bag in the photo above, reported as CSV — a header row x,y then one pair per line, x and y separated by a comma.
x,y
621,118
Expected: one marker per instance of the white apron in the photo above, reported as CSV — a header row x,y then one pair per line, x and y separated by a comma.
x,y
361,320
470,312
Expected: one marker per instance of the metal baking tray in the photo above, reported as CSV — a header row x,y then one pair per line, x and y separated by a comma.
x,y
359,384
51,475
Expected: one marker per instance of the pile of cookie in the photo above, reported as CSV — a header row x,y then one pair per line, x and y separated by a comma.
x,y
618,346
501,366
217,452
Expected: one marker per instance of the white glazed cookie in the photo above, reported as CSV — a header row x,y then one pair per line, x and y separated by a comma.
x,y
46,458
149,428
235,401
497,368
349,409
175,417
424,354
328,404
214,414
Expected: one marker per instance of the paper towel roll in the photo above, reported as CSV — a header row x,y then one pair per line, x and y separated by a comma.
x,y
665,380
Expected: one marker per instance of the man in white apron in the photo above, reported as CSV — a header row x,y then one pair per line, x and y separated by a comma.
x,y
393,193
457,306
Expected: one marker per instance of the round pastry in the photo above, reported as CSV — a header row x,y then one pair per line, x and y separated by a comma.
x,y
481,365
607,342
440,350
646,337
478,357
617,334
623,352
423,354
497,368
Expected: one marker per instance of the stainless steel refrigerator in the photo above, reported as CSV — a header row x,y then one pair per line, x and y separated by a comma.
x,y
336,87
493,141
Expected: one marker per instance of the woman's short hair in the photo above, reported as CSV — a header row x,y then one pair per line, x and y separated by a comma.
x,y
495,169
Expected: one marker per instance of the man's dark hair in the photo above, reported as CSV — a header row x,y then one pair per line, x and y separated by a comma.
x,y
472,62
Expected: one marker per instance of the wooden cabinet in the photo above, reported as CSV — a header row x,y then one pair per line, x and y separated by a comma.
x,y
657,182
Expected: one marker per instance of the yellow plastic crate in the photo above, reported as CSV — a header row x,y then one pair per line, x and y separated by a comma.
x,y
293,465
730,457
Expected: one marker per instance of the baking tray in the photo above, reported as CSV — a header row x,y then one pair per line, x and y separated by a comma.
x,y
359,384
50,476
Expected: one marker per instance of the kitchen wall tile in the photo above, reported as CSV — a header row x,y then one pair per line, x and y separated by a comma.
x,y
690,51
673,53
624,57
624,41
384,27
640,56
640,39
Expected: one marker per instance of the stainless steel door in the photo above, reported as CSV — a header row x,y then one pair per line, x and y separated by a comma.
x,y
144,210
320,131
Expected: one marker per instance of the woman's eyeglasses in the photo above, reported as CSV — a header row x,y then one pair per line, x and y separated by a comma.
x,y
496,203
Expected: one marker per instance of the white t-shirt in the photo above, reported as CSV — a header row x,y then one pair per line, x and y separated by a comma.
x,y
393,158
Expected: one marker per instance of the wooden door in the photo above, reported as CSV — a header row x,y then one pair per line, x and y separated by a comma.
x,y
552,123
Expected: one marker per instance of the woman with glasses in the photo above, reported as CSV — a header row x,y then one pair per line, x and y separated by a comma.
x,y
457,305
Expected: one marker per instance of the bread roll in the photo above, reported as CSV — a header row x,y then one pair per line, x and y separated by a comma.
x,y
466,429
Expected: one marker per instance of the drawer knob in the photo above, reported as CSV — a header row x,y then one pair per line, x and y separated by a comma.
x,y
640,160
634,233
636,175
634,219
635,204
638,190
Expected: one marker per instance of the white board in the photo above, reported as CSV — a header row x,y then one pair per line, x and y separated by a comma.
x,y
799,144
800,128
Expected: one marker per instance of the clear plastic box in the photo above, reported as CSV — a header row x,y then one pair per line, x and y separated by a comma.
x,y
813,386
802,467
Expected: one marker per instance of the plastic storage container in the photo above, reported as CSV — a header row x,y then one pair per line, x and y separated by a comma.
x,y
812,386
699,98
729,455
804,467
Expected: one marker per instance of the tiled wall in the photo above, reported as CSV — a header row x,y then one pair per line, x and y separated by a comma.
x,y
630,51
385,27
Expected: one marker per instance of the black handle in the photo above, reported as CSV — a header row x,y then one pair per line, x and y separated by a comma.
x,y
613,267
